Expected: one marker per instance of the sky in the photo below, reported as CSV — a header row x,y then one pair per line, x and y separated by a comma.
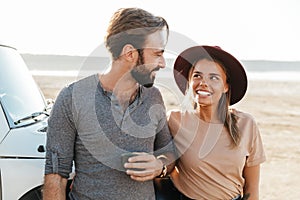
x,y
248,29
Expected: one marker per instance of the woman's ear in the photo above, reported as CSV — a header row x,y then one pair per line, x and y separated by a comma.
x,y
129,52
226,88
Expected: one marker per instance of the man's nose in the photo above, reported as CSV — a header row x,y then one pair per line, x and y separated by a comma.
x,y
162,63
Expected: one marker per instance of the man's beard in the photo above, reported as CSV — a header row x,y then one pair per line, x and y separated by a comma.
x,y
142,75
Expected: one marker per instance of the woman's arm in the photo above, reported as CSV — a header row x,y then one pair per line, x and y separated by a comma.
x,y
251,175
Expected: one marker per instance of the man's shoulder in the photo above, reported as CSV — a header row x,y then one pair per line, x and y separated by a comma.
x,y
91,79
76,86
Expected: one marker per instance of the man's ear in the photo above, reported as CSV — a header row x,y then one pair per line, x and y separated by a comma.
x,y
129,53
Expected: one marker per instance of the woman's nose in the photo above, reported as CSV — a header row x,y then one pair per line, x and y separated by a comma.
x,y
203,82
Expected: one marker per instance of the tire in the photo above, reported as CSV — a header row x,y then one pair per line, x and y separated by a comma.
x,y
35,194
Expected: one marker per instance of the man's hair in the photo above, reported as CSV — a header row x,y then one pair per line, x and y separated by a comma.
x,y
131,26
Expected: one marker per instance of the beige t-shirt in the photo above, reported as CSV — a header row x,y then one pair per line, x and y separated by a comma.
x,y
209,167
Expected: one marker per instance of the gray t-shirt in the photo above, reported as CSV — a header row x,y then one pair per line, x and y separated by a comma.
x,y
89,127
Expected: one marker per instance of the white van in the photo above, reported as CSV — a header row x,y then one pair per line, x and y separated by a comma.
x,y
23,123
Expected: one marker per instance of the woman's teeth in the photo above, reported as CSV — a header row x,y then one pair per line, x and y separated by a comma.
x,y
204,93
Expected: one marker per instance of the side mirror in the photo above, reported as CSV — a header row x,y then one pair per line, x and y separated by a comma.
x,y
49,104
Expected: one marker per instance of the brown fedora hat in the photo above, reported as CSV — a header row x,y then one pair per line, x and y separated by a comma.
x,y
237,74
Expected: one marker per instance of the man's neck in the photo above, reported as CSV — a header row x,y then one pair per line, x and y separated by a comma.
x,y
122,85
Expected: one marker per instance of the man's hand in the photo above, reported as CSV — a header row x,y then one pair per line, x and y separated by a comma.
x,y
143,167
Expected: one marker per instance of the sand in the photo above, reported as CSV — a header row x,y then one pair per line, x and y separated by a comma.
x,y
276,108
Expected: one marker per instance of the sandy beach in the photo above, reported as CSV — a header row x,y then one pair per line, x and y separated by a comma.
x,y
276,108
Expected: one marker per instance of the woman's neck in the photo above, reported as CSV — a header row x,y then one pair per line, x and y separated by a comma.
x,y
208,114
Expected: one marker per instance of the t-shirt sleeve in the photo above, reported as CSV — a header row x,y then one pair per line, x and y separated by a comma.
x,y
256,151
61,135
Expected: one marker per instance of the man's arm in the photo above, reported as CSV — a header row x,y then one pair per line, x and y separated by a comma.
x,y
61,134
54,187
153,165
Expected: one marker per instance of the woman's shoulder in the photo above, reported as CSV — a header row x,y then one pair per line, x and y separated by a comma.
x,y
174,120
242,115
174,115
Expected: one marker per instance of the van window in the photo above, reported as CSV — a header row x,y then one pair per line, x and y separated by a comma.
x,y
19,94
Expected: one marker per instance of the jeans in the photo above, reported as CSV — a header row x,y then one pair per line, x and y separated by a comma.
x,y
165,190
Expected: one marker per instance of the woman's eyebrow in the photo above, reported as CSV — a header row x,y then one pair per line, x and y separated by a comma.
x,y
215,74
211,74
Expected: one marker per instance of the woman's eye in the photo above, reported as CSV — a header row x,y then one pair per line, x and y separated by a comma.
x,y
214,78
196,75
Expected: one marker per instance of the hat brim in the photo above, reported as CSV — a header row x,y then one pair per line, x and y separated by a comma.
x,y
238,79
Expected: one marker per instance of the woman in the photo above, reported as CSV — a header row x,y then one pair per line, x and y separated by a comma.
x,y
220,149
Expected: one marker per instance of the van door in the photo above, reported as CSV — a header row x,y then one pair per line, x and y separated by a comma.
x,y
4,128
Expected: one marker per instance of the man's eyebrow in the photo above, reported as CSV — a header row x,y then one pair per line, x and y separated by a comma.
x,y
159,50
155,50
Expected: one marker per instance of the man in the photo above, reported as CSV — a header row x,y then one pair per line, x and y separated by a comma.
x,y
98,119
